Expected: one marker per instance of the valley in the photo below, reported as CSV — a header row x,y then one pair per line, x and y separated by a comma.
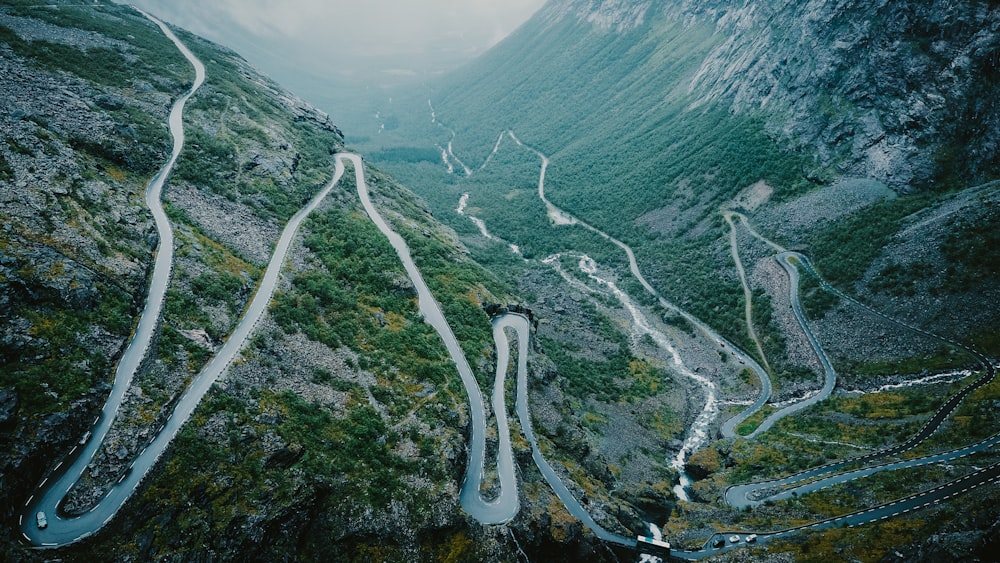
x,y
812,351
740,496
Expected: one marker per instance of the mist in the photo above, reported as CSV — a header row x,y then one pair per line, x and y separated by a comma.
x,y
349,43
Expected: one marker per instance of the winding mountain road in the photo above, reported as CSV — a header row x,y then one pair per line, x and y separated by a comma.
x,y
734,251
560,217
789,261
742,496
519,324
64,529
899,507
53,489
505,506
748,495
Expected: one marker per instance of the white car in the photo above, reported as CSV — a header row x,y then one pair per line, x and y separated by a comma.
x,y
41,521
751,538
734,539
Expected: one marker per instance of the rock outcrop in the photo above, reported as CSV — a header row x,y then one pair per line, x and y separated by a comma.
x,y
904,92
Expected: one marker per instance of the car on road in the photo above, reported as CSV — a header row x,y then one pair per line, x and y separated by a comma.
x,y
751,538
41,520
734,539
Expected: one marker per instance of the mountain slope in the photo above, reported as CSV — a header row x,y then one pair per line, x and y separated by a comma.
x,y
340,420
863,134
649,112
901,93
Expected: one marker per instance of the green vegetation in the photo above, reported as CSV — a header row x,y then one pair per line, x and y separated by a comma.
x,y
57,367
329,305
355,296
224,280
60,363
972,247
243,118
340,305
774,344
900,280
945,357
459,286
101,65
880,488
976,419
612,168
882,406
327,466
134,54
762,317
754,420
602,379
816,301
410,155
213,162
840,427
867,543
842,251
6,172
144,56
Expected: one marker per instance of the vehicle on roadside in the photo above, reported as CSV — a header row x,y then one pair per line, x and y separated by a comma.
x,y
734,539
41,520
751,538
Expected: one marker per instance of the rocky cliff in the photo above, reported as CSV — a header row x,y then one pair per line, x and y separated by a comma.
x,y
903,92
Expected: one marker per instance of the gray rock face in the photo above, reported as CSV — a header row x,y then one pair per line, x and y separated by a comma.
x,y
8,407
896,91
619,15
903,92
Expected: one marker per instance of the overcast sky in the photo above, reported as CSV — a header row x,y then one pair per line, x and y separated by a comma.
x,y
350,40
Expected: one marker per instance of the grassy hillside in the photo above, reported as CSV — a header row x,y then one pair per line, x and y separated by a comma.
x,y
612,112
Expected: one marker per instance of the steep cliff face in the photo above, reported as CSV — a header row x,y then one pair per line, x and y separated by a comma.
x,y
617,15
903,92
